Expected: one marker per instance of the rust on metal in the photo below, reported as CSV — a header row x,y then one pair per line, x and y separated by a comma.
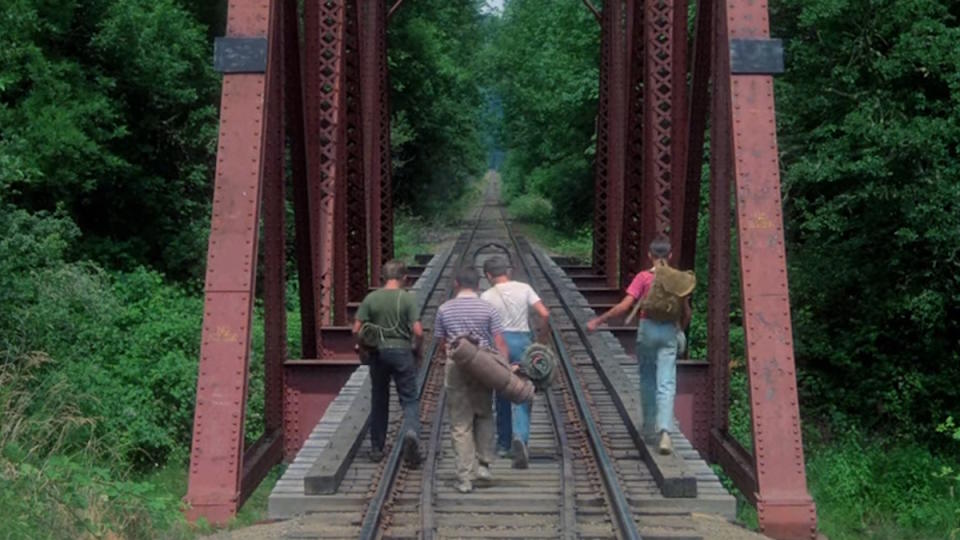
x,y
611,144
632,251
293,107
355,206
679,125
323,73
658,113
696,128
370,95
784,506
718,265
274,232
214,489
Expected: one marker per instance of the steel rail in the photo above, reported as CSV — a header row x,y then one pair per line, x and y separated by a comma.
x,y
427,527
621,507
568,479
372,517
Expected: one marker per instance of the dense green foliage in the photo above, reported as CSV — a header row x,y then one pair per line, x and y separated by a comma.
x,y
108,113
542,64
437,102
870,126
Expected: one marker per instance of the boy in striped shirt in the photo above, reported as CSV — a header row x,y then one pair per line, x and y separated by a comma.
x,y
469,403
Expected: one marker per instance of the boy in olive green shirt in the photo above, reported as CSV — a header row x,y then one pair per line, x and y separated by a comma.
x,y
389,318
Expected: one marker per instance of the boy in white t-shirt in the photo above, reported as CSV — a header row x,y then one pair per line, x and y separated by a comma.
x,y
513,301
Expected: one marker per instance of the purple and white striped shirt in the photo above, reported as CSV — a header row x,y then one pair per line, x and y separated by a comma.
x,y
467,314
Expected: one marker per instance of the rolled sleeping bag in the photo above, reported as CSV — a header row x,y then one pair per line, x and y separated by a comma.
x,y
491,371
539,365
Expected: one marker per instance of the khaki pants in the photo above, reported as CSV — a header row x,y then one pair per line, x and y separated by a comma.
x,y
471,421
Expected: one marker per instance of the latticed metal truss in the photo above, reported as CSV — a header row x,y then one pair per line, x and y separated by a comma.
x,y
325,99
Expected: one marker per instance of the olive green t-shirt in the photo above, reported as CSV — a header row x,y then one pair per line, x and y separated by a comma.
x,y
393,310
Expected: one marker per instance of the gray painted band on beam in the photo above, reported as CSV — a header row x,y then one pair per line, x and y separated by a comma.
x,y
756,56
240,55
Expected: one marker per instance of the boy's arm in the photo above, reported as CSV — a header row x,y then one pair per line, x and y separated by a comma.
x,y
615,311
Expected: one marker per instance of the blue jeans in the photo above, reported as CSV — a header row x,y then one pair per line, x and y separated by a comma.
x,y
513,419
657,358
397,364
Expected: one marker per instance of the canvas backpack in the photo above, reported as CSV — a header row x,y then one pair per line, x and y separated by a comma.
x,y
664,300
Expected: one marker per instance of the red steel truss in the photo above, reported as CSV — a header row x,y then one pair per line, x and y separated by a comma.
x,y
611,143
664,166
313,101
327,97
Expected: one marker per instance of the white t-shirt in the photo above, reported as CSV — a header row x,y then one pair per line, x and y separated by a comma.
x,y
512,300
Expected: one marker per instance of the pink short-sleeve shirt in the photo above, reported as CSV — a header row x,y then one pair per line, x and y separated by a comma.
x,y
640,285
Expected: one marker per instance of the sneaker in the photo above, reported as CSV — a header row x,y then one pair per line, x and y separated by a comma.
x,y
464,486
411,450
483,473
503,452
521,456
666,445
376,455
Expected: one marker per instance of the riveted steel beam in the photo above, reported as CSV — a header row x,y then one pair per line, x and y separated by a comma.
x,y
784,506
697,123
246,153
632,252
324,56
376,134
611,144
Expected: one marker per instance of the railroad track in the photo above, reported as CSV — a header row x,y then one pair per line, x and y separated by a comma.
x,y
563,493
586,478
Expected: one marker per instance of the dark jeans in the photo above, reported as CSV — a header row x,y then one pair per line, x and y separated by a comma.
x,y
399,364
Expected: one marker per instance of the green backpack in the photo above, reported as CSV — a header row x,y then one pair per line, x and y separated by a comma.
x,y
664,300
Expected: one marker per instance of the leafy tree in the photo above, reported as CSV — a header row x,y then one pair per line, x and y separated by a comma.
x,y
543,66
108,107
870,126
436,100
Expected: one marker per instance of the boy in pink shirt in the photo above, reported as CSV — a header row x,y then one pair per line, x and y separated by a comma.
x,y
656,349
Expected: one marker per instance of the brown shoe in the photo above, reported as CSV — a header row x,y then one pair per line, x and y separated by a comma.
x,y
666,445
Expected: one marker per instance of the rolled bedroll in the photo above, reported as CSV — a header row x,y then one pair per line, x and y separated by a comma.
x,y
491,371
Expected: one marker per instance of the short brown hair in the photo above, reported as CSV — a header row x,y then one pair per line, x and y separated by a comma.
x,y
660,247
394,269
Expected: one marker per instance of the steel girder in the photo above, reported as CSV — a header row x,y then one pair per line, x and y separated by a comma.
x,y
322,112
633,253
610,158
249,171
744,156
654,201
376,134
355,209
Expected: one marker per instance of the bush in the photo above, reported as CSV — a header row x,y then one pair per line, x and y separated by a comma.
x,y
882,489
52,481
531,208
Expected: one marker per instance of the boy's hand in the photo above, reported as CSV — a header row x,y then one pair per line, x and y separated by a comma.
x,y
592,324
